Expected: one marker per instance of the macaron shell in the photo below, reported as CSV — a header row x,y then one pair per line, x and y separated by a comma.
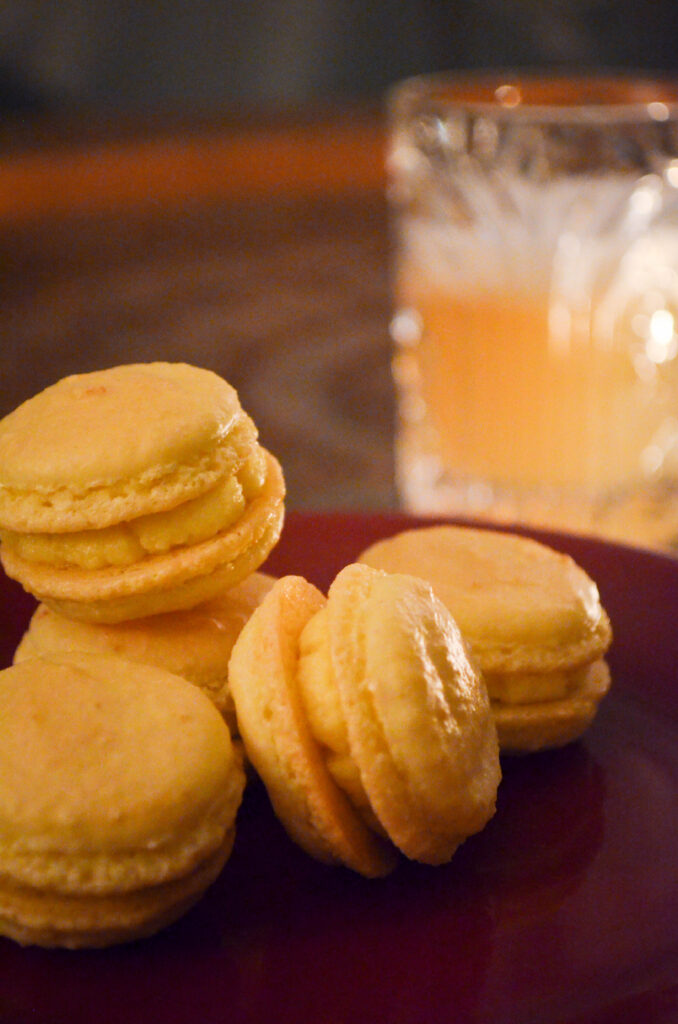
x,y
195,644
119,789
519,604
123,427
38,917
278,741
526,728
418,715
177,579
113,774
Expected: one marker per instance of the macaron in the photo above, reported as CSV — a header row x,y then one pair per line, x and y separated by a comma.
x,y
135,490
195,643
365,719
531,616
119,790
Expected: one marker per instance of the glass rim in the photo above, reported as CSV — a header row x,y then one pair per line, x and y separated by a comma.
x,y
595,97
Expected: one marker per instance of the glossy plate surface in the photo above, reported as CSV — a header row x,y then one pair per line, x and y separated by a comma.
x,y
564,909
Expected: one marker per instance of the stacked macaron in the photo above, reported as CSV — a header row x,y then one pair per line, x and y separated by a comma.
x,y
136,504
135,490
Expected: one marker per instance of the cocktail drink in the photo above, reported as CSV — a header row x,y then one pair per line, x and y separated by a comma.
x,y
536,302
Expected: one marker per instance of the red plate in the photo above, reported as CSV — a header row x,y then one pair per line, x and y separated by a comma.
x,y
564,909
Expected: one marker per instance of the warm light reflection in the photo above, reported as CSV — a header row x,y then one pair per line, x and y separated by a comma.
x,y
646,198
661,342
658,111
508,95
406,328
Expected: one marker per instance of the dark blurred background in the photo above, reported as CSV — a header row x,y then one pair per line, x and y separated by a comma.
x,y
287,297
122,55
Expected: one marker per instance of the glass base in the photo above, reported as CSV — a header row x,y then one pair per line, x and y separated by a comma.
x,y
644,515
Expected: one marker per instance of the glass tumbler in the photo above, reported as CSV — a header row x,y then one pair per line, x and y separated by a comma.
x,y
535,280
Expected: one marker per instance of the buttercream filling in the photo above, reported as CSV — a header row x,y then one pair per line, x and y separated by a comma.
x,y
533,687
122,544
322,704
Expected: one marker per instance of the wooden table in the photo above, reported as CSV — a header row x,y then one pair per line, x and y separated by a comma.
x,y
257,248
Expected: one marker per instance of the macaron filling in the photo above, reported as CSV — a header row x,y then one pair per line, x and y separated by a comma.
x,y
325,717
533,687
399,712
120,544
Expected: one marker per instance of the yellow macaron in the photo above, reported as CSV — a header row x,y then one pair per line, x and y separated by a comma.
x,y
135,490
531,616
195,643
365,719
119,790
